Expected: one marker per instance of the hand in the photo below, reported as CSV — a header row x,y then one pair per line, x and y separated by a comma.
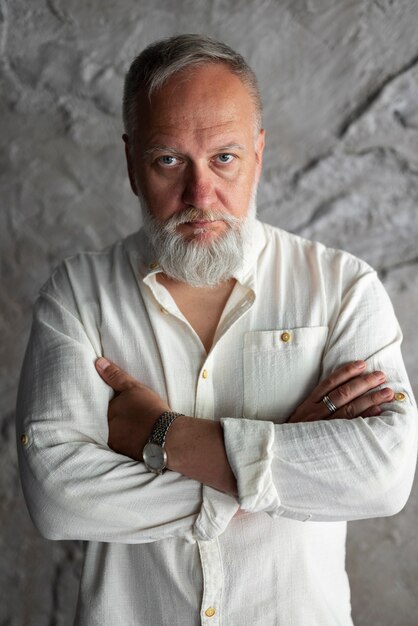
x,y
132,412
346,388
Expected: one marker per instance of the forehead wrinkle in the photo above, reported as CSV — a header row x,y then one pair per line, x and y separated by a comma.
x,y
193,123
212,138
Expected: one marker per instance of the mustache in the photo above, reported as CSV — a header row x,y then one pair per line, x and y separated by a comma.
x,y
194,214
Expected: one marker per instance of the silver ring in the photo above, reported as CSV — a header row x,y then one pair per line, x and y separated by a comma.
x,y
329,404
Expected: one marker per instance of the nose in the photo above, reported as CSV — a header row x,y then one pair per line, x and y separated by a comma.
x,y
199,189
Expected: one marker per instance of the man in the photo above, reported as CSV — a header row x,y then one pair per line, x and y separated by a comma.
x,y
253,384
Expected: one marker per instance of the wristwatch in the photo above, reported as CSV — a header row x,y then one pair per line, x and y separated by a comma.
x,y
154,454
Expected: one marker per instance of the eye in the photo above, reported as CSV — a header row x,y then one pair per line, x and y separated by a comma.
x,y
167,160
225,158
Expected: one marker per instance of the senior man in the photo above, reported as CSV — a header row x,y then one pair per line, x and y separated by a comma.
x,y
207,402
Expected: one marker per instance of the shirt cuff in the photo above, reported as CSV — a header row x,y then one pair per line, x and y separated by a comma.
x,y
249,448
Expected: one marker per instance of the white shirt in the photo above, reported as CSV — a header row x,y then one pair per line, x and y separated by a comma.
x,y
165,550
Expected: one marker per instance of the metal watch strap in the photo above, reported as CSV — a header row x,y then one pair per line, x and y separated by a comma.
x,y
161,426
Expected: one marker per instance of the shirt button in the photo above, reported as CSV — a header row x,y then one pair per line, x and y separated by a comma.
x,y
24,440
163,310
210,612
285,337
205,374
400,397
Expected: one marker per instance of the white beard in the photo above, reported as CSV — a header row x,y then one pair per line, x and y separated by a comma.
x,y
194,262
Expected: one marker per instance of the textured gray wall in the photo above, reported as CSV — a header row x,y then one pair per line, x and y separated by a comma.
x,y
339,80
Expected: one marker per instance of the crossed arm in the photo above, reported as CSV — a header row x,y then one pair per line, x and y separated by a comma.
x,y
195,448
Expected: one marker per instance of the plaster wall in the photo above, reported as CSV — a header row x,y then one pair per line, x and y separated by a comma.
x,y
339,80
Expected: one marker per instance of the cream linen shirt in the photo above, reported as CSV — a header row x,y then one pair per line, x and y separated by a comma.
x,y
165,550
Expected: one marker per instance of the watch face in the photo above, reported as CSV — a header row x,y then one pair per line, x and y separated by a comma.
x,y
154,457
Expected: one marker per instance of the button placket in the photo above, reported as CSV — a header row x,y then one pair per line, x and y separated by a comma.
x,y
236,313
204,404
212,569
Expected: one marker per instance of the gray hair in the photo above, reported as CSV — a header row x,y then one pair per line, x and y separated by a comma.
x,y
162,59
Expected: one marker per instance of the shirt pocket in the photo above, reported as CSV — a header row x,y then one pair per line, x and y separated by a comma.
x,y
281,367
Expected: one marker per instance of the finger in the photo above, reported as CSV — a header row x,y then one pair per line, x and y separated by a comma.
x,y
372,411
356,387
114,376
338,377
366,405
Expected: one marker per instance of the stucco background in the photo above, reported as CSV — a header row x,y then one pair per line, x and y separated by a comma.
x,y
339,82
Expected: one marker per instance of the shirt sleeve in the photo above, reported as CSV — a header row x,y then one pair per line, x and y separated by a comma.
x,y
336,469
75,486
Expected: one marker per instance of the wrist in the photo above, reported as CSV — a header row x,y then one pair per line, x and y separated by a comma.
x,y
174,441
195,448
154,452
153,416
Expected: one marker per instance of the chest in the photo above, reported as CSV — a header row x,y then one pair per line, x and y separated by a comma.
x,y
202,308
250,358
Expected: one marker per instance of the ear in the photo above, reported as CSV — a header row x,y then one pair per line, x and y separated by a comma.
x,y
259,149
130,163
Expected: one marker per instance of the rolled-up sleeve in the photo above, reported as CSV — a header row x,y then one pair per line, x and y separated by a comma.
x,y
336,469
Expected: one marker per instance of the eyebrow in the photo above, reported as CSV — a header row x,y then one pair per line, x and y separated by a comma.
x,y
170,150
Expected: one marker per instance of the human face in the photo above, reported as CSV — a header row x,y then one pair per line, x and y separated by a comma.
x,y
196,147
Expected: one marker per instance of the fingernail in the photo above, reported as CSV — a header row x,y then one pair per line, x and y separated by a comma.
x,y
380,375
102,363
387,393
359,364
